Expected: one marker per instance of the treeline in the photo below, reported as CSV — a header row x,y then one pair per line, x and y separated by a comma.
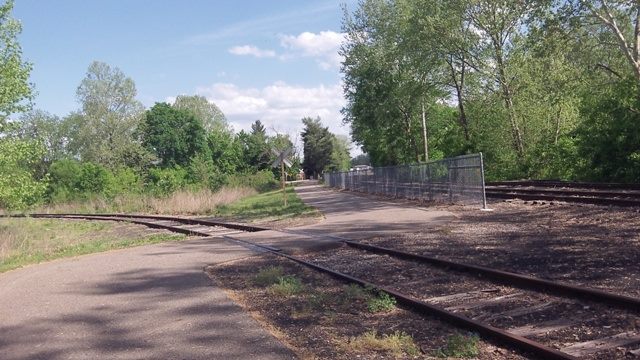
x,y
113,146
545,89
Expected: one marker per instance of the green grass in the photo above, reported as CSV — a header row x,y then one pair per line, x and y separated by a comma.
x,y
287,285
460,346
381,302
268,205
268,276
27,241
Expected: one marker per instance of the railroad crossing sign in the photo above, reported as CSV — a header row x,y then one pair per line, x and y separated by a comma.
x,y
282,160
282,157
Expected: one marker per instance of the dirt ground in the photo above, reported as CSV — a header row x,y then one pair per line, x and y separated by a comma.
x,y
589,245
323,321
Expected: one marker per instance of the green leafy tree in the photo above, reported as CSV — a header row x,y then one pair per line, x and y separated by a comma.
x,y
19,185
109,118
15,90
362,159
226,151
174,136
53,132
204,110
318,145
340,159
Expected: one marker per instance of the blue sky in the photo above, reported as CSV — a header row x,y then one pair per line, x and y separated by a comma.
x,y
271,60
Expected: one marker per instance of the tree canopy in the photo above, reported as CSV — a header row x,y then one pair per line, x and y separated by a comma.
x,y
175,136
15,89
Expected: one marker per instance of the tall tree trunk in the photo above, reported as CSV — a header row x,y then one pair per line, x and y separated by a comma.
x,y
508,101
459,86
424,134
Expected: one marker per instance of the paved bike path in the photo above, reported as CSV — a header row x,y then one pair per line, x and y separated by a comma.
x,y
148,302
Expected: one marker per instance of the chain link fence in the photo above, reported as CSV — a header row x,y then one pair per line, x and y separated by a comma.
x,y
453,180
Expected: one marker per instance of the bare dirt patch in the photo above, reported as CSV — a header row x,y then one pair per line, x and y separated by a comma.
x,y
323,318
581,244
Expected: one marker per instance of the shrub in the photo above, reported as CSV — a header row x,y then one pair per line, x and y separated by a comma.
x,y
125,181
93,179
165,181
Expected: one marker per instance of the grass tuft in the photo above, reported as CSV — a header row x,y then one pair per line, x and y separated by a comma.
x,y
380,302
460,346
397,344
287,285
268,276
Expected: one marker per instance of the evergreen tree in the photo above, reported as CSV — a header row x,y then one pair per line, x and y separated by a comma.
x,y
317,145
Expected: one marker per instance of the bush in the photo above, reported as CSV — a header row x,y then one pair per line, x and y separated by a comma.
x,y
72,180
125,181
93,179
261,181
165,181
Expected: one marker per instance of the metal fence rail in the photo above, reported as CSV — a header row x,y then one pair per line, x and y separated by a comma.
x,y
453,180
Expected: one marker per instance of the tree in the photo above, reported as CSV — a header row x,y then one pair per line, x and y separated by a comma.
x,y
226,151
621,19
317,145
362,159
20,186
110,116
174,136
340,159
255,147
51,131
206,111
15,90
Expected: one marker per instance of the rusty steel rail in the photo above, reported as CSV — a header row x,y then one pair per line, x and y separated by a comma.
x,y
513,279
565,184
564,196
187,221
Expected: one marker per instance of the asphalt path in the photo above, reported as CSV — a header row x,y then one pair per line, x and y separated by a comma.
x,y
148,302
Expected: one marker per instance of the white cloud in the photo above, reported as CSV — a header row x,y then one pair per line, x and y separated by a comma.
x,y
323,46
251,50
279,106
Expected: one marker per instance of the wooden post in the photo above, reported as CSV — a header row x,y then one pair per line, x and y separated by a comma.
x,y
284,189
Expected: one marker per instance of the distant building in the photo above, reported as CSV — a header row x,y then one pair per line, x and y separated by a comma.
x,y
361,168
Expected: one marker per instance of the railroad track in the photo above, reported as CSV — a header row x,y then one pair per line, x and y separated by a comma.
x,y
576,192
549,319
